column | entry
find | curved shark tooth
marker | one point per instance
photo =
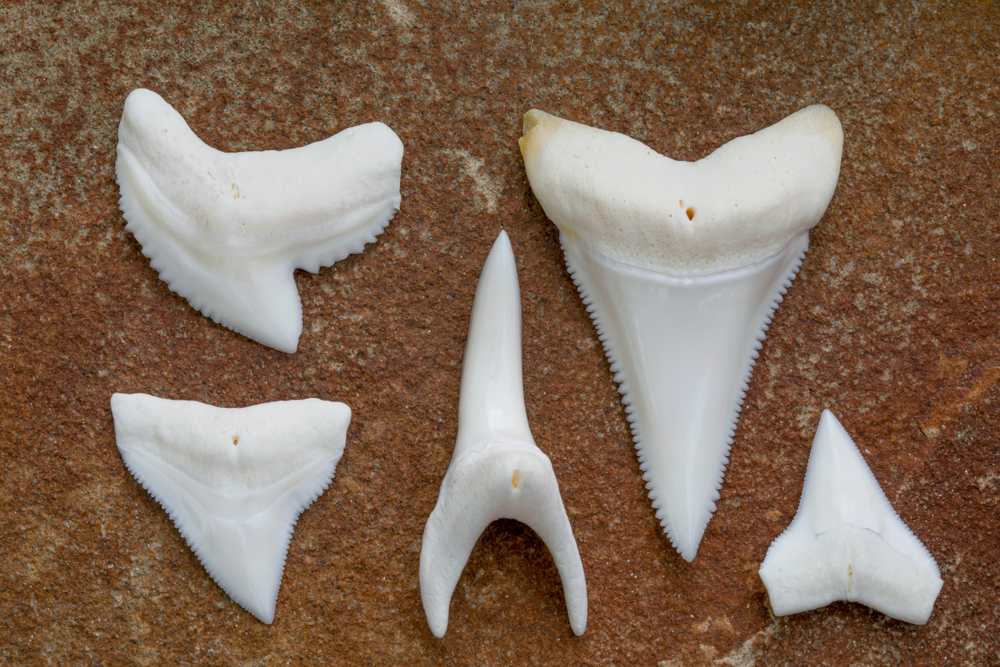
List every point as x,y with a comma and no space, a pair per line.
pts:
846,542
227,230
681,266
233,481
496,471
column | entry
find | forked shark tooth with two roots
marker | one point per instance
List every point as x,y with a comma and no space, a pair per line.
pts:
681,266
496,470
226,231
846,542
233,481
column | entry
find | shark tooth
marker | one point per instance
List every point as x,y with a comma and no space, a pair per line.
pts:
233,481
846,542
227,230
496,470
681,266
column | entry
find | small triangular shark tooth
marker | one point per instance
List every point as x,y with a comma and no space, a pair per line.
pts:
846,542
496,471
227,230
681,266
233,481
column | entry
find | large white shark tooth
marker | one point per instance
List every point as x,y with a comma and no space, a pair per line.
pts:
233,481
227,230
681,266
496,470
846,542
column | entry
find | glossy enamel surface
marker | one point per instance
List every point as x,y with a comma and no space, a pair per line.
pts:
682,350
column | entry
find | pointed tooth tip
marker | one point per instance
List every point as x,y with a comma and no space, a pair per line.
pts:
502,251
266,618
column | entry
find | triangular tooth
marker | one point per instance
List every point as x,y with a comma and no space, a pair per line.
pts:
846,542
686,354
683,265
233,481
496,471
227,230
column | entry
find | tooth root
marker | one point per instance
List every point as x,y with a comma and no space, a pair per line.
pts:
479,489
685,348
846,542
497,471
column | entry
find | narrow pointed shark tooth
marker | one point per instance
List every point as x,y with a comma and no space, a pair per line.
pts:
227,230
681,266
233,481
496,471
846,542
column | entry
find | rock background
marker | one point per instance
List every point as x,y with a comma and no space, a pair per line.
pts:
892,324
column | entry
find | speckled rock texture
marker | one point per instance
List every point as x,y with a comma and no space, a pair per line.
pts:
892,323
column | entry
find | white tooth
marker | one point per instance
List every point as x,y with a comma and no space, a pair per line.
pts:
233,481
227,230
496,471
846,542
682,266
684,349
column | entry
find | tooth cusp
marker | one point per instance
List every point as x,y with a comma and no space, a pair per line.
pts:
634,405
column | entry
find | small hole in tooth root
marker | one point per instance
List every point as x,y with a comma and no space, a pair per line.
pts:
236,440
516,479
690,213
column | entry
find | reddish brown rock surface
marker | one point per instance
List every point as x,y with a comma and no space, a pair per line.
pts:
892,323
